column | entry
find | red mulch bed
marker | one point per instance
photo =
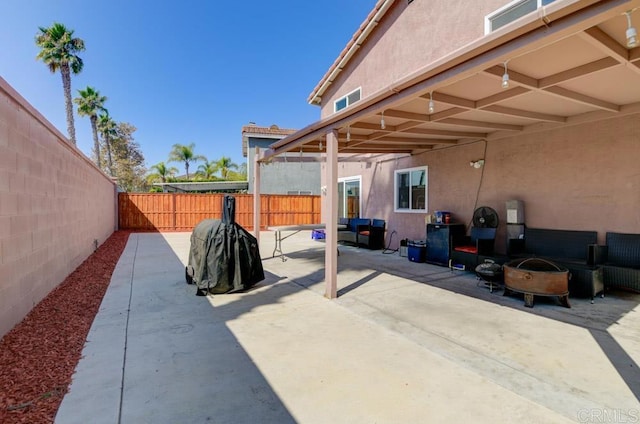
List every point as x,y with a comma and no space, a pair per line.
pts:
38,356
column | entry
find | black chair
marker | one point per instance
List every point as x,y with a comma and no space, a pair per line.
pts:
373,237
465,250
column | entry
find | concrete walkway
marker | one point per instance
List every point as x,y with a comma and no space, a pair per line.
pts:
404,343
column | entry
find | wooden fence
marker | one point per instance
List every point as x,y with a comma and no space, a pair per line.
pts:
182,211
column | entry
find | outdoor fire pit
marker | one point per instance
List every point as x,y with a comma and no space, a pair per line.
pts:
537,277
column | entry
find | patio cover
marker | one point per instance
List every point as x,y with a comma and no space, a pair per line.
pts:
549,88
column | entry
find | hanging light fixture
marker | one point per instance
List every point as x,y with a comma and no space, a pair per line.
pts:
348,133
432,106
632,34
382,124
320,145
505,77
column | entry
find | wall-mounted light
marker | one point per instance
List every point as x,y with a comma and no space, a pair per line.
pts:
632,34
382,124
432,106
505,76
477,164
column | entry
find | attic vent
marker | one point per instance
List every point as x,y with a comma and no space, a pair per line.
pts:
510,12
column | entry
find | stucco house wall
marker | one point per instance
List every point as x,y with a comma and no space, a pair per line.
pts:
582,177
410,36
54,203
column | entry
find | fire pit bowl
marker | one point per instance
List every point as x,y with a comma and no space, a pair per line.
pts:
537,277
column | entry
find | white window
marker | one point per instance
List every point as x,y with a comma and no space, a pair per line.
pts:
410,190
347,100
510,12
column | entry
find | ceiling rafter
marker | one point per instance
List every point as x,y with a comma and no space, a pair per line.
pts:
525,113
444,133
482,124
548,84
603,41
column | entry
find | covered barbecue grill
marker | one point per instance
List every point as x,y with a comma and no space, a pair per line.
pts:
224,257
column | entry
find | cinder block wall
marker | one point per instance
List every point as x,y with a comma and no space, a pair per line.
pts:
53,204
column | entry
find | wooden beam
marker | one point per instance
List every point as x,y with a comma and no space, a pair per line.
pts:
502,95
523,79
406,126
482,124
597,37
584,99
452,100
416,140
578,71
370,150
444,133
525,114
369,126
390,146
447,113
392,113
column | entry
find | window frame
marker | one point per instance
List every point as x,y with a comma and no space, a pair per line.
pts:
346,100
396,207
512,4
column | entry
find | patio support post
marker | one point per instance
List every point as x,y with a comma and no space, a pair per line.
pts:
331,216
256,195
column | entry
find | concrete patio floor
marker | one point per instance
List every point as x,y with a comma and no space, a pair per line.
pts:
404,342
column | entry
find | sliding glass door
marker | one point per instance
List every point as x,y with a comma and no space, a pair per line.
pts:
349,197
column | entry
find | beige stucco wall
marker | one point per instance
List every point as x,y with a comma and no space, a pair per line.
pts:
53,204
409,37
583,177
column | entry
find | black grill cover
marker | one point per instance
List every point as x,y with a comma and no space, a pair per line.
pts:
224,257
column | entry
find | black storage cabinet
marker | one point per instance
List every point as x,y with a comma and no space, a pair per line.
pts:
439,241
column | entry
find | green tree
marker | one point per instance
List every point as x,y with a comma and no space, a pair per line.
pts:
108,129
239,175
185,154
161,172
90,103
59,52
128,159
207,170
224,164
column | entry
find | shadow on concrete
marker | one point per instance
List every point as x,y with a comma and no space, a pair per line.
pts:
181,362
596,318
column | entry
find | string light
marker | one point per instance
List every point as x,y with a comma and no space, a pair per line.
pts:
382,124
348,133
505,77
632,34
432,106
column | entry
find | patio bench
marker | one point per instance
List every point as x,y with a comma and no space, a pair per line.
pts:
621,268
577,251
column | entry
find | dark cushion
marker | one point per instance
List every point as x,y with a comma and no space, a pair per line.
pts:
355,222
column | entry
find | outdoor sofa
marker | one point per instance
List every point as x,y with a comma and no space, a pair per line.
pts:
577,251
364,232
621,268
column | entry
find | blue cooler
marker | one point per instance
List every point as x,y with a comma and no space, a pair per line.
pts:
417,250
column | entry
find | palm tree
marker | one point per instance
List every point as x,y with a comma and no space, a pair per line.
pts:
224,164
182,153
59,52
162,172
207,169
107,128
89,104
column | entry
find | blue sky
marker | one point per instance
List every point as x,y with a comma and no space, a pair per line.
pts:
189,71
